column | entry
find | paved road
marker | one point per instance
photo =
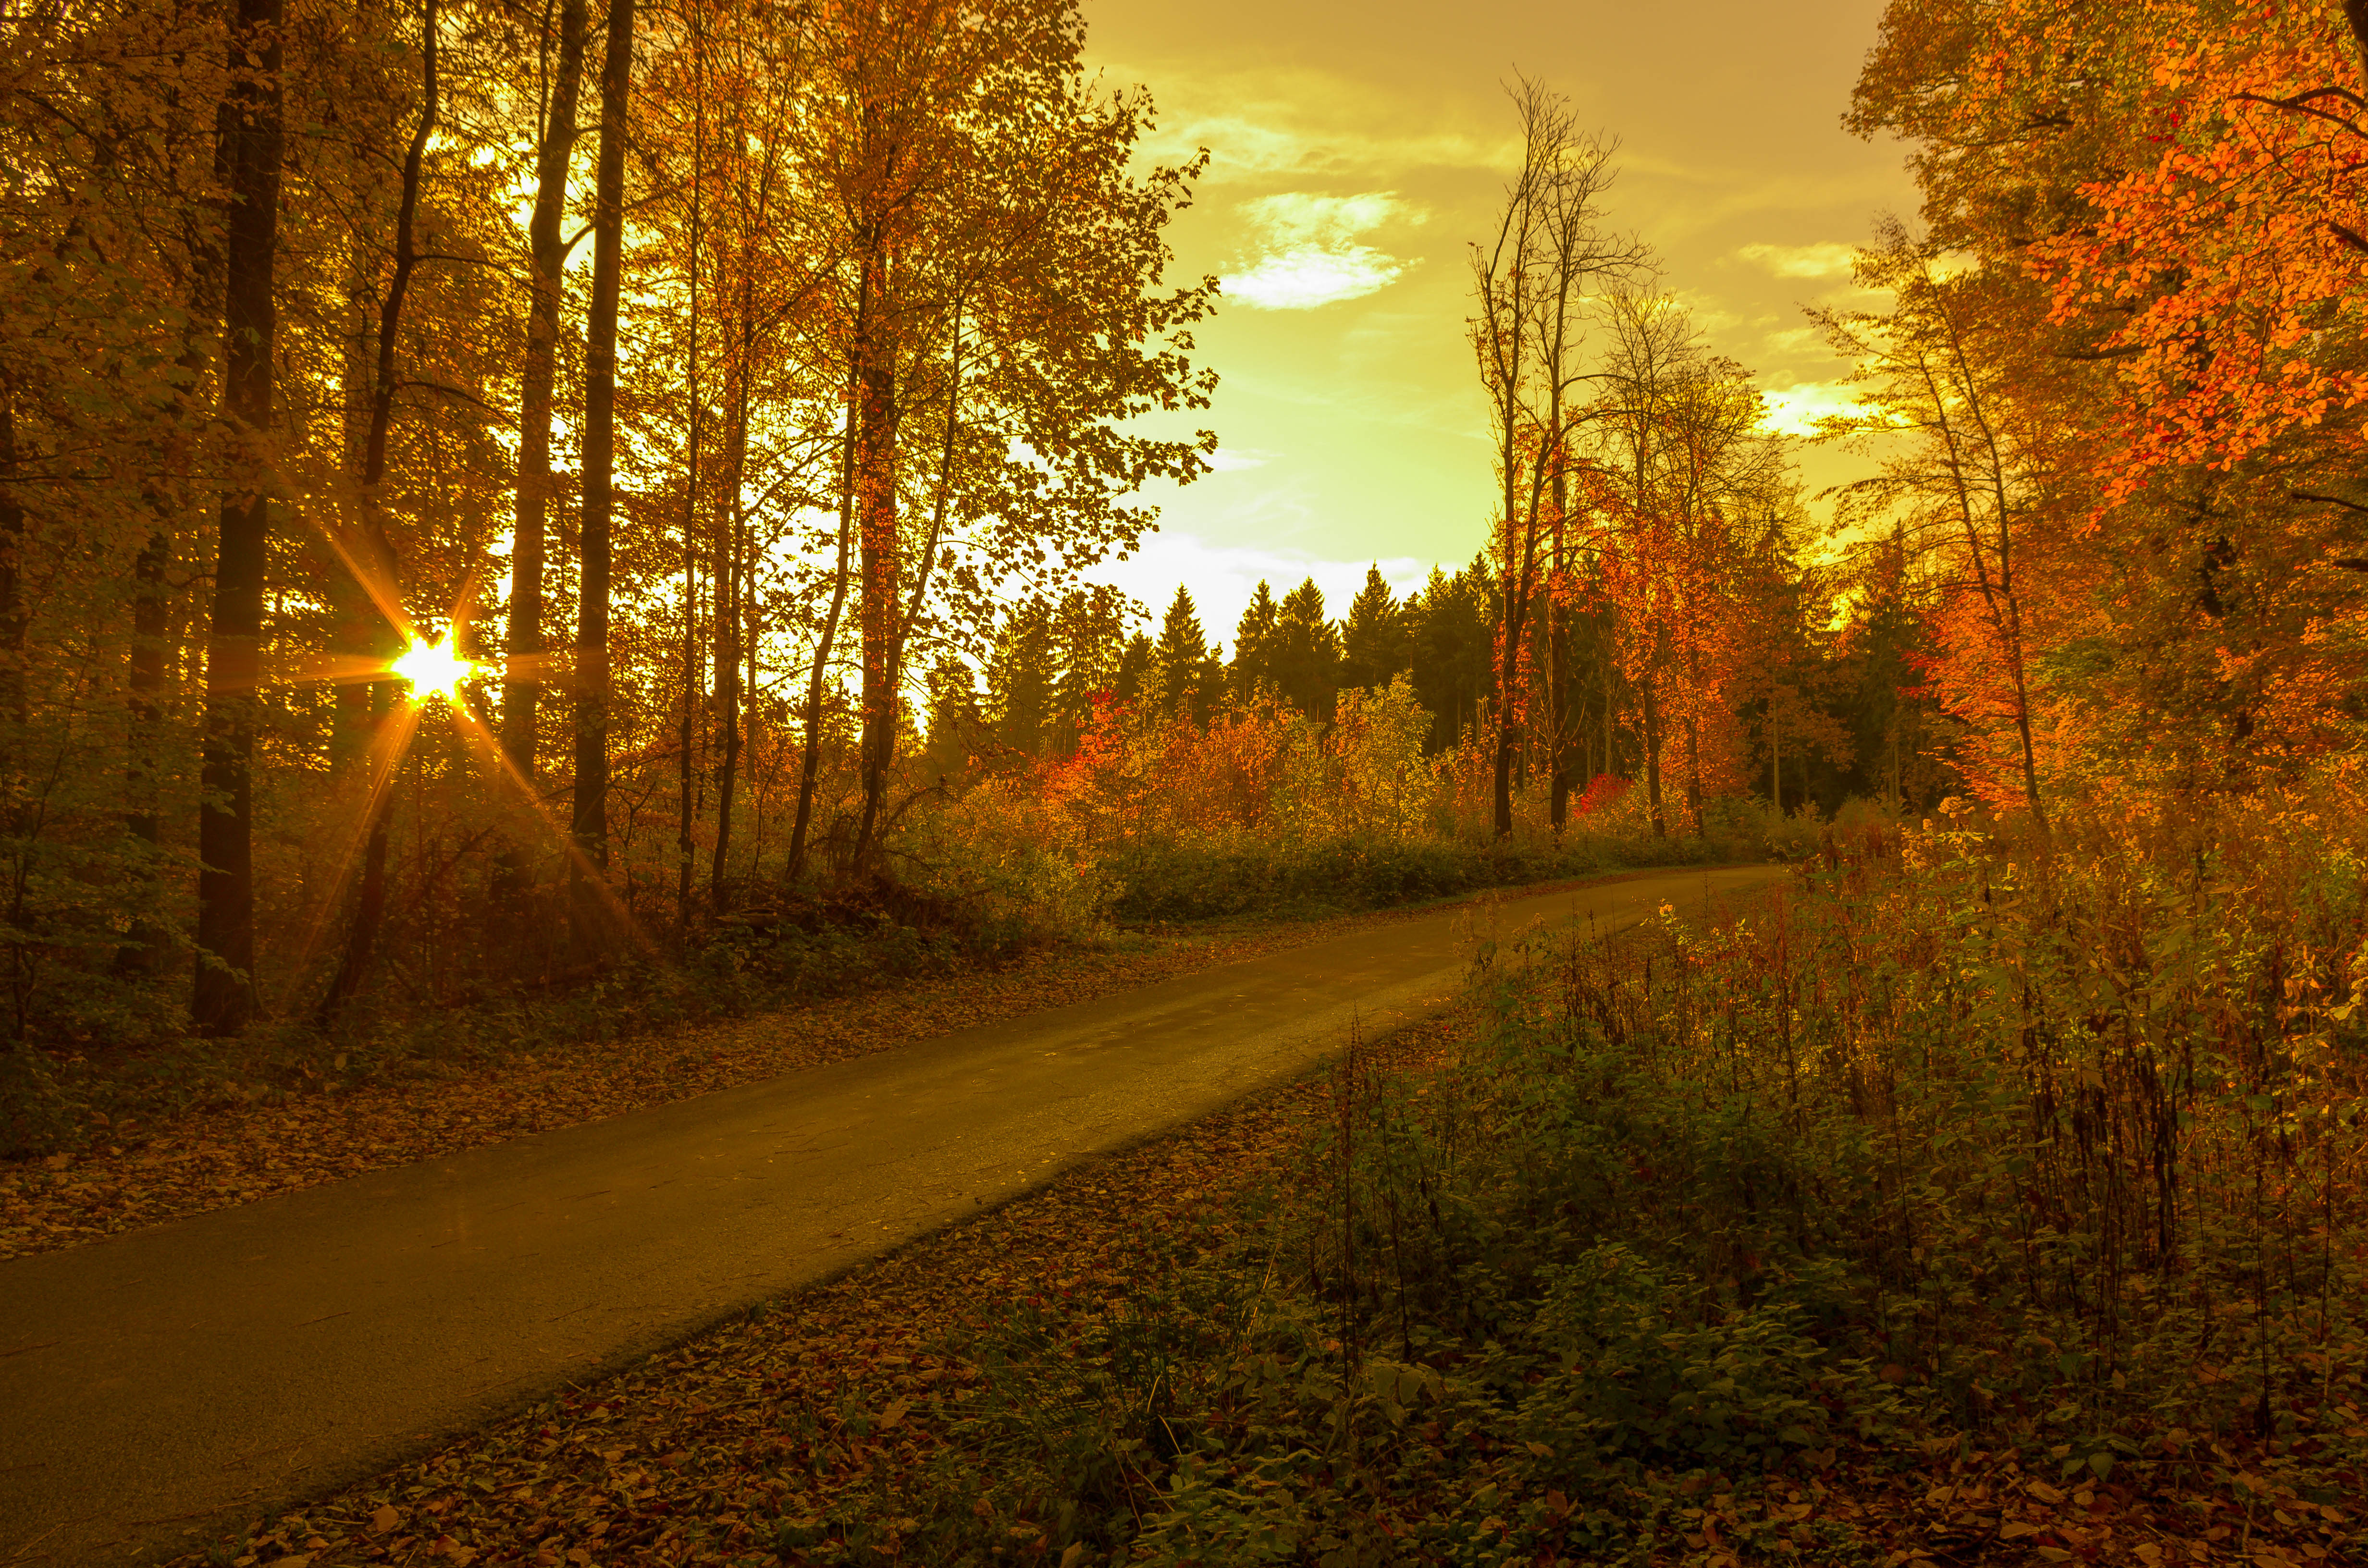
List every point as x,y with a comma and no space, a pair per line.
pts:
155,1386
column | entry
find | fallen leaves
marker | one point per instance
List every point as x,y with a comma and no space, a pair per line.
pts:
768,1437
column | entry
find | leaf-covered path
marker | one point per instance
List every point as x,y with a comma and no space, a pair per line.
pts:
244,1358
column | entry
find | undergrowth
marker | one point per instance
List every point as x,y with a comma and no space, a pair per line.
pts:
1966,1150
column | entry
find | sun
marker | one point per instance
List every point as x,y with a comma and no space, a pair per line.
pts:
434,670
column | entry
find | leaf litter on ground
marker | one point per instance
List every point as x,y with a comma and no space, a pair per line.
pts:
813,1425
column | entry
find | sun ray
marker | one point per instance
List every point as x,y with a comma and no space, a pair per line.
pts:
498,763
373,582
388,747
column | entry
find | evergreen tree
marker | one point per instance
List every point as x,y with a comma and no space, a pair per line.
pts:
1089,638
956,726
1179,661
1253,668
1019,675
1133,676
1307,652
1374,641
1452,627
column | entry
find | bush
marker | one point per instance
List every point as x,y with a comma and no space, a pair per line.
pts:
2054,1146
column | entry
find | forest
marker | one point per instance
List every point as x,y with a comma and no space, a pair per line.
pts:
526,531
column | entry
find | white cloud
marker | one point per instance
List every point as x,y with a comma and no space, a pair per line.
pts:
1311,251
1796,409
1309,276
1826,260
1236,459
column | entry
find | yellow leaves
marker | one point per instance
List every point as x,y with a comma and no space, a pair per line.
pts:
384,1518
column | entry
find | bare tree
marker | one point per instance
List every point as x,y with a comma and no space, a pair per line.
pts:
1531,281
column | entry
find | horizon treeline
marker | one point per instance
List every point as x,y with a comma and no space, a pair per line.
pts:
1861,721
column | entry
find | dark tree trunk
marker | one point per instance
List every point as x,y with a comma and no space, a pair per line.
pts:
731,570
522,672
686,735
810,766
875,492
589,818
222,999
1558,704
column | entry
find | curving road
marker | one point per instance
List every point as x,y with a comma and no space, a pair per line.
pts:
157,1386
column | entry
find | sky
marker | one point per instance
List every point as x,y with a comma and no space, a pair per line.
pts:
1356,151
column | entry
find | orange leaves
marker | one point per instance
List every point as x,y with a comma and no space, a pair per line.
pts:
2235,254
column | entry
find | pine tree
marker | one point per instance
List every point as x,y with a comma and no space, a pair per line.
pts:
1134,677
1176,662
1374,641
1020,676
1253,666
1450,630
1307,652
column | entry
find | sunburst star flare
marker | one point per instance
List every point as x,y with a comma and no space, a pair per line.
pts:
433,669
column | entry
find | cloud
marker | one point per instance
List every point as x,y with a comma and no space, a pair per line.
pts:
1236,459
1796,409
1311,252
1827,260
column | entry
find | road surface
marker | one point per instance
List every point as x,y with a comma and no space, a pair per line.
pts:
157,1387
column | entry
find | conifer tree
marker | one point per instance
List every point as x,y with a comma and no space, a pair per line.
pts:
1307,652
1252,671
1373,642
1179,676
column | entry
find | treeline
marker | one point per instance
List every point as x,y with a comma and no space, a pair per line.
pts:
1855,722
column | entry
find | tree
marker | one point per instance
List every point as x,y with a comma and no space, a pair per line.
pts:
253,137
1305,653
1253,671
1931,376
371,552
1530,282
589,820
546,257
1373,642
1179,662
1020,676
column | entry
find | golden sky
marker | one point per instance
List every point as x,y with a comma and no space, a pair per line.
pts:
1356,151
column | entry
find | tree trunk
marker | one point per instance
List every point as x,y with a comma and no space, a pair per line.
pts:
521,670
1652,694
730,586
13,626
1558,704
222,998
589,818
811,767
916,596
875,490
377,555
686,735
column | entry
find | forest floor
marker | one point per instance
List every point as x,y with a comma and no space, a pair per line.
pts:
816,1430
237,1148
